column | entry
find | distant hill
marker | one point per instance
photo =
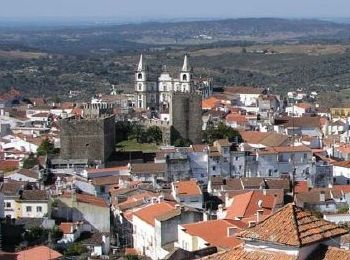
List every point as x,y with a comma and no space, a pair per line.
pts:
87,39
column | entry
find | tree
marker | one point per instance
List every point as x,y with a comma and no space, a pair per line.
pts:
221,131
46,147
75,249
154,135
30,162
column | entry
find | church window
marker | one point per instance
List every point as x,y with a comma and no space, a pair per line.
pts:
184,77
140,86
139,76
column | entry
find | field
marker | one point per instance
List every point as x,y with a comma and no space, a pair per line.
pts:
132,146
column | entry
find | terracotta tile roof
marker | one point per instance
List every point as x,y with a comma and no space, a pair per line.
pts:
220,237
267,139
303,122
86,198
148,168
344,188
233,184
278,184
253,182
29,173
136,200
112,169
67,227
35,253
285,149
108,180
344,164
303,105
240,253
153,211
11,187
293,226
187,188
301,186
246,205
34,195
233,117
210,103
9,165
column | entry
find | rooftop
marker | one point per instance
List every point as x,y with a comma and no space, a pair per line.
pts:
187,188
220,237
151,212
292,226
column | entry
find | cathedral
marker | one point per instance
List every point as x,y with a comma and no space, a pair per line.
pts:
156,94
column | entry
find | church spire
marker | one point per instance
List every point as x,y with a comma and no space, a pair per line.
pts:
185,66
141,65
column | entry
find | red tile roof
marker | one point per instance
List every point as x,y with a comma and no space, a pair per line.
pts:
85,198
293,226
301,186
151,212
187,188
246,205
67,227
220,237
210,103
8,165
35,253
240,253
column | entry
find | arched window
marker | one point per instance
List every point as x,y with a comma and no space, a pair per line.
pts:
140,86
139,76
184,77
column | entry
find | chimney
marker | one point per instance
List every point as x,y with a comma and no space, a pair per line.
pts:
259,213
251,224
322,196
231,231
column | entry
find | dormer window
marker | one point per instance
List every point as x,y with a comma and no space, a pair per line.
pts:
139,76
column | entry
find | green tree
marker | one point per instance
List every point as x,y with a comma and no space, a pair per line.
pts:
221,131
30,162
75,249
154,135
46,147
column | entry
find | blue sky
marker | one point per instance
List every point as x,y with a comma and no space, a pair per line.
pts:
163,9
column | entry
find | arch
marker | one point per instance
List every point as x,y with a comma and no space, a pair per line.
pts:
139,76
184,77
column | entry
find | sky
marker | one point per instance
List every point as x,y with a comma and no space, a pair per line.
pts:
169,9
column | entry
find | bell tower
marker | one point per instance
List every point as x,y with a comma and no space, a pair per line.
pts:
141,84
186,76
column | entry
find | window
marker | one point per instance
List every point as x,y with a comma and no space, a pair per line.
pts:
240,167
236,158
305,156
270,172
184,77
8,204
214,168
29,209
139,76
39,209
140,86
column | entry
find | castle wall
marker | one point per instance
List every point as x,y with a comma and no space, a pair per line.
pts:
91,138
186,116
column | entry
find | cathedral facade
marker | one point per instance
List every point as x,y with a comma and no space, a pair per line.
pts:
156,94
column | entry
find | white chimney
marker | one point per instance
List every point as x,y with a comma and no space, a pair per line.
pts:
322,196
251,224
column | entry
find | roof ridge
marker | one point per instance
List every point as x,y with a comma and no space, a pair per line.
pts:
248,201
295,222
